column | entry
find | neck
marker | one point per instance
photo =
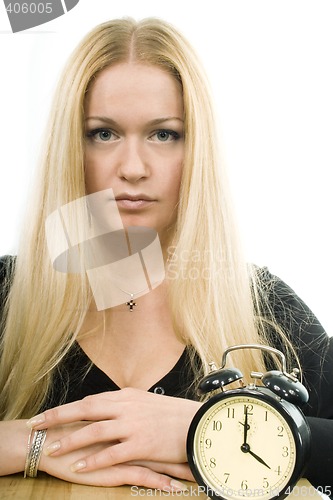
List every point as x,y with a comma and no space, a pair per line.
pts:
124,344
151,308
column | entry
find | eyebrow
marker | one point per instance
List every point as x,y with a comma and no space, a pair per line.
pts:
154,122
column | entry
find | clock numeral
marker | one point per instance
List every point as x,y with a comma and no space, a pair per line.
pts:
248,409
280,431
231,413
278,470
208,443
217,425
285,452
244,485
266,416
212,463
265,483
226,476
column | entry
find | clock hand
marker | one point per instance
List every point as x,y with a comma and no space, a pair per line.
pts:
245,425
259,459
246,449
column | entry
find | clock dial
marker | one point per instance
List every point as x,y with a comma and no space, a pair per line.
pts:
243,447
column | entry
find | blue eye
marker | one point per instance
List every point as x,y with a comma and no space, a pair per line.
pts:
100,134
163,135
104,135
167,135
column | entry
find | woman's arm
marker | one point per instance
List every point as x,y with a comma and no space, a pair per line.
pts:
13,446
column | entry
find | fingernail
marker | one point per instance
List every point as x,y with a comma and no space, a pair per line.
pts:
81,464
37,420
177,485
51,448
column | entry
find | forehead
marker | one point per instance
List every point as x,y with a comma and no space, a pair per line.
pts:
132,85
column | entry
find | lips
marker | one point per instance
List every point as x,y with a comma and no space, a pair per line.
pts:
134,201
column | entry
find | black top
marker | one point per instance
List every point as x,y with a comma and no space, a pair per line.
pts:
77,377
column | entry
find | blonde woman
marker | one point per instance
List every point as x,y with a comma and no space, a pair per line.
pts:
115,386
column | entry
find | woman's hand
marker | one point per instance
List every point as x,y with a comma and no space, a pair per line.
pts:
147,474
139,434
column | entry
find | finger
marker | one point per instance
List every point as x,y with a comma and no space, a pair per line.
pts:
182,471
106,431
94,407
89,408
130,474
112,455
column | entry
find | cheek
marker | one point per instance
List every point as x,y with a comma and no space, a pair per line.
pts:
175,179
95,173
90,178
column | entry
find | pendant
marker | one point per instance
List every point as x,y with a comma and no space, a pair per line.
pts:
131,303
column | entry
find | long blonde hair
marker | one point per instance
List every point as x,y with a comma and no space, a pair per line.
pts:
210,292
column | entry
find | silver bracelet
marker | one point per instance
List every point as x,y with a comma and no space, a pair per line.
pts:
34,452
26,467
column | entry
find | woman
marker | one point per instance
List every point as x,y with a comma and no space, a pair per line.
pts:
132,114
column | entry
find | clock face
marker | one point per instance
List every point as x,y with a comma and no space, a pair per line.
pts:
244,447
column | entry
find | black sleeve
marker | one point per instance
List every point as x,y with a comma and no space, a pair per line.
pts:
7,264
315,351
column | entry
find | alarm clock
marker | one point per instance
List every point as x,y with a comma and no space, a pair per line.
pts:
252,441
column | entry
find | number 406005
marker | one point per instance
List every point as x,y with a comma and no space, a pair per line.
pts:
29,8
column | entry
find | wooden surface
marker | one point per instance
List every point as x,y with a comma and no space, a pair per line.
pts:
45,487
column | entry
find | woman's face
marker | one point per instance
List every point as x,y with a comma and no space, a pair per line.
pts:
135,142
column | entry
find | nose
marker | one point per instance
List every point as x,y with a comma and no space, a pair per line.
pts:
132,162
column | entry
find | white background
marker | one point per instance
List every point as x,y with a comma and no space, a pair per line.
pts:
270,63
